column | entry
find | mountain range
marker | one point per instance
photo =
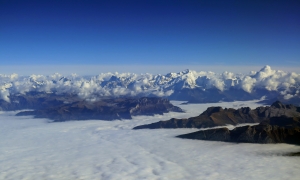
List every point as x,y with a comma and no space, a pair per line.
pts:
217,116
69,107
278,123
188,85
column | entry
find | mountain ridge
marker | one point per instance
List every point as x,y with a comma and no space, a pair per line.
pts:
217,116
187,85
281,129
105,109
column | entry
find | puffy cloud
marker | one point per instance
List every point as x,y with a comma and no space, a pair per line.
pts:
4,95
247,83
288,96
228,75
123,84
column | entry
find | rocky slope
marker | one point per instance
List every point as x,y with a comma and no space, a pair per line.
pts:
278,123
281,129
34,100
217,116
103,109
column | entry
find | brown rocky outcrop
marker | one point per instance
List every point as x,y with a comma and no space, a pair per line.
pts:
278,130
217,116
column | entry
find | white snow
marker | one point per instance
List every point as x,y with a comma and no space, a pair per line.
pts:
118,84
36,149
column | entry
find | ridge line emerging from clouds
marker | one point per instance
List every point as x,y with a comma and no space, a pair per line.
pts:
131,84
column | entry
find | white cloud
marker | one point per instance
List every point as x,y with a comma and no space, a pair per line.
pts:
111,150
119,84
4,95
247,84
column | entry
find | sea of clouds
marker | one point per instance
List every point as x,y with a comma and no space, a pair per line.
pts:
131,84
111,150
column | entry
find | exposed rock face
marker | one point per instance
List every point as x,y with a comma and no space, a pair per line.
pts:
104,109
217,116
279,123
278,130
151,106
220,134
35,101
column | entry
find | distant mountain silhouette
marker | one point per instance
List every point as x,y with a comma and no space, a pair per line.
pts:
68,107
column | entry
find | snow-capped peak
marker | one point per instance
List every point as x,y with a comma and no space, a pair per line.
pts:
120,84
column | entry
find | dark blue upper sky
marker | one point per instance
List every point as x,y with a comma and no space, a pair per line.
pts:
150,32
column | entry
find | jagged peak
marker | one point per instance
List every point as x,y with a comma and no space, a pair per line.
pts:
210,110
186,71
114,84
278,104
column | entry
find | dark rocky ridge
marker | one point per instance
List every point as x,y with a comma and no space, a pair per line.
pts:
105,109
279,123
34,100
70,107
275,130
217,116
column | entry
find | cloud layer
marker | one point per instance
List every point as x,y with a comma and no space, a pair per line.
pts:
34,149
131,84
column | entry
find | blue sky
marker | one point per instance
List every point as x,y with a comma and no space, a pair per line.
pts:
155,33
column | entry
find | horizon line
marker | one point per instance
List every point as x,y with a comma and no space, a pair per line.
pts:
86,70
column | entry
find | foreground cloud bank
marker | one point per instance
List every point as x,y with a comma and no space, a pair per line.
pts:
34,149
186,85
